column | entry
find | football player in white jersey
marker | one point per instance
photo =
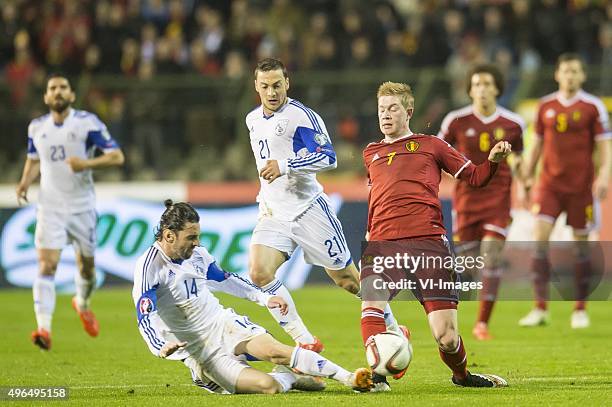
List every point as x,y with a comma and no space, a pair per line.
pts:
291,144
180,319
60,149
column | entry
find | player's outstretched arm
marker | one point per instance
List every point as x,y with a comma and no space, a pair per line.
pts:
113,158
604,149
233,284
480,175
460,167
31,170
531,162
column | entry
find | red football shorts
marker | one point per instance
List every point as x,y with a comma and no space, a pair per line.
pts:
472,227
426,269
548,205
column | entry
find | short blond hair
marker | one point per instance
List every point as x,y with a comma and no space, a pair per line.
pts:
404,91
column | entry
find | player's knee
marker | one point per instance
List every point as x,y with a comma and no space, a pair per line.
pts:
47,267
267,385
448,340
260,274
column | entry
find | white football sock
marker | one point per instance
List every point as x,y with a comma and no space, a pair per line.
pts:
291,323
43,292
285,379
311,363
390,320
84,288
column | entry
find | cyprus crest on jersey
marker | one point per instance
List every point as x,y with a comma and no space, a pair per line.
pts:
321,139
281,127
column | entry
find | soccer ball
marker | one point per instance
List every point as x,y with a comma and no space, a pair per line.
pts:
388,353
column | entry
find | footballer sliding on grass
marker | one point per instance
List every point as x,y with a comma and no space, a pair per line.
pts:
180,319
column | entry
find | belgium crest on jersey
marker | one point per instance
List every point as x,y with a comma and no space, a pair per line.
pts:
499,133
412,146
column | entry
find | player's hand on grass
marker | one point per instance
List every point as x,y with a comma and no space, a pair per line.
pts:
500,151
600,187
278,302
76,164
270,171
170,347
22,194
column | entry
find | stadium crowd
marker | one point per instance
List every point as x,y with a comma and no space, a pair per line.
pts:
143,39
213,38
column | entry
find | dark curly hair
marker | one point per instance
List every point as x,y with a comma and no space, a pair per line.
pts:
492,70
175,217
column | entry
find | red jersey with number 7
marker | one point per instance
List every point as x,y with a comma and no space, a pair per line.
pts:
404,177
568,129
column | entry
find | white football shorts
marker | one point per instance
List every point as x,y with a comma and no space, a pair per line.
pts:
219,368
317,231
54,230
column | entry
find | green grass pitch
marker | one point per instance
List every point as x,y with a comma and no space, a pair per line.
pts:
553,365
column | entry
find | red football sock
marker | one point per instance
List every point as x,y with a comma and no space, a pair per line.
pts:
484,311
541,268
581,282
372,322
488,295
457,360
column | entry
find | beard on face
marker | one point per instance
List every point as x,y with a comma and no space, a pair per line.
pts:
187,253
59,105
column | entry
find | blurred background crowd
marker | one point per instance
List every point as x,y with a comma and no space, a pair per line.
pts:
172,78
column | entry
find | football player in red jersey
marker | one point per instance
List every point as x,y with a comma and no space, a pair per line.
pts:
483,214
404,170
569,124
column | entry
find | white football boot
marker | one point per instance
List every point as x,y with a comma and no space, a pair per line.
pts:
535,317
580,319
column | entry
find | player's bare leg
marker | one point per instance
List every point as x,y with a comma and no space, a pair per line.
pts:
491,250
264,261
541,269
444,328
346,278
252,380
43,292
265,347
85,282
582,277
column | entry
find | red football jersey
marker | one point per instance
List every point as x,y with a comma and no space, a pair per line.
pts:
569,128
404,181
474,135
